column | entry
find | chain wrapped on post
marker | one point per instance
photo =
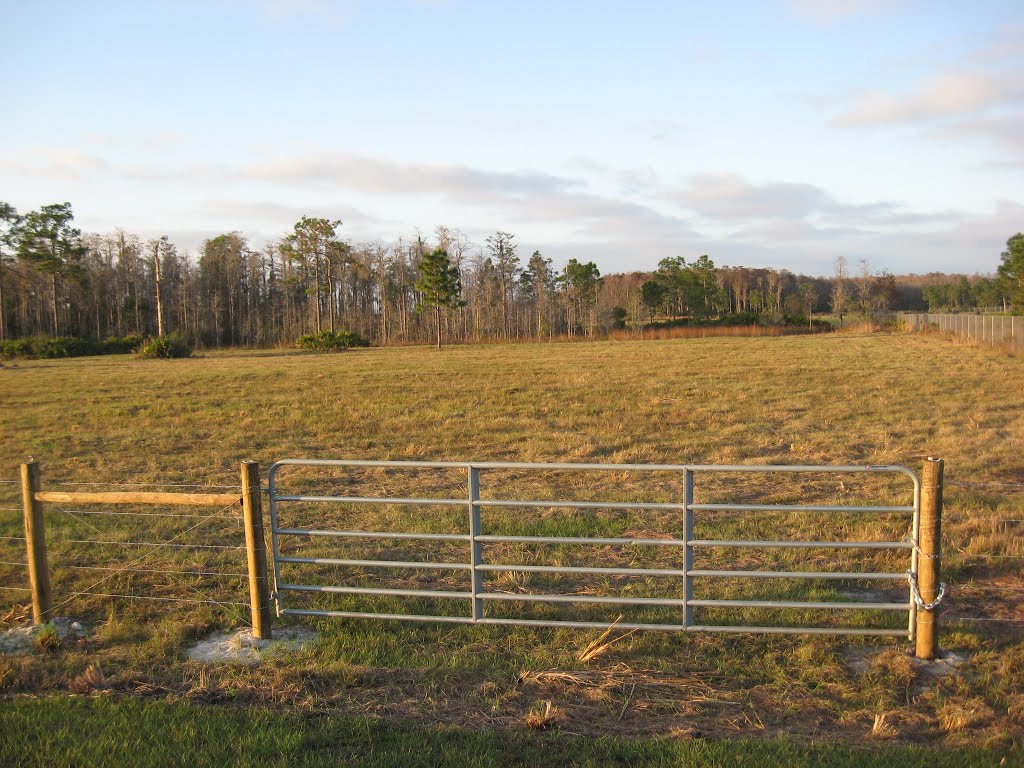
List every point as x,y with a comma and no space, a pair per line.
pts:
918,600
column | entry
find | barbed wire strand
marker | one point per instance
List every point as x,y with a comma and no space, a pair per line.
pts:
150,514
144,485
144,570
986,484
976,618
147,543
152,597
83,522
968,518
8,562
12,538
231,610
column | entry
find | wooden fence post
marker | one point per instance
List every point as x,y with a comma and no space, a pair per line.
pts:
35,544
929,558
256,551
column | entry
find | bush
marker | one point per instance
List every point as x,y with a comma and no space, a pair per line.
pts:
740,318
49,348
120,345
330,341
165,347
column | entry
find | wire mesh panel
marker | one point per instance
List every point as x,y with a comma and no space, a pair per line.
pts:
797,549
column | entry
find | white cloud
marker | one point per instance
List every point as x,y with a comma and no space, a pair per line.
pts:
948,95
729,197
635,219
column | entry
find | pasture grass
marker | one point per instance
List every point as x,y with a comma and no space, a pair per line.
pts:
830,399
56,731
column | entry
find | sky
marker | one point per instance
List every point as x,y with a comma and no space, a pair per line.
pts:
779,133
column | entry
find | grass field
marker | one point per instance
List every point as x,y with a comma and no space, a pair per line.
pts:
833,399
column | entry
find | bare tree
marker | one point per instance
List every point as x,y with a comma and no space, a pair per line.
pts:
839,289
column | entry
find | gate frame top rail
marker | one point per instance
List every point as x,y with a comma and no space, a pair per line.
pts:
476,538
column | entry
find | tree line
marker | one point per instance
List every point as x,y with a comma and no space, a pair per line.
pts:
57,281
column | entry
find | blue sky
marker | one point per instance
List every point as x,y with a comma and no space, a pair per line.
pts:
779,133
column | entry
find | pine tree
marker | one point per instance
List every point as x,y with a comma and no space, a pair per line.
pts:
439,285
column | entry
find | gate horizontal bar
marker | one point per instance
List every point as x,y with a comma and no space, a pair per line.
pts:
801,630
535,598
582,540
363,615
579,569
792,508
375,563
823,544
598,624
581,504
799,605
801,574
371,534
372,500
852,469
580,624
371,591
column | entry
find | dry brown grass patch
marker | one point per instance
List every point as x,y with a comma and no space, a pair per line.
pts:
544,715
956,715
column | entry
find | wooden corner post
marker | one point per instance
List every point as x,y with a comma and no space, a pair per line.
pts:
929,559
35,544
256,550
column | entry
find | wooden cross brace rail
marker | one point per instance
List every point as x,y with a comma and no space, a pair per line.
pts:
138,497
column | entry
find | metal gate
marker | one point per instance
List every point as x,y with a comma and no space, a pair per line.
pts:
475,567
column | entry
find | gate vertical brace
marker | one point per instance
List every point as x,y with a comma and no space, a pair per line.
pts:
275,547
915,536
687,549
475,547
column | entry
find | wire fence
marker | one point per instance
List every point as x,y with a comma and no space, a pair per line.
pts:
994,330
134,554
169,557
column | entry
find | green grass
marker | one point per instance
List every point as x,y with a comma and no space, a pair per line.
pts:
833,399
53,731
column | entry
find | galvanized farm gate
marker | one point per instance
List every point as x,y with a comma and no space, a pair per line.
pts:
475,565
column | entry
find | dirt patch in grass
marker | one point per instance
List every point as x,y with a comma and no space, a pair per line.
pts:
243,647
40,637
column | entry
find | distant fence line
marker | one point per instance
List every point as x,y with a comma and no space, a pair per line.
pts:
995,330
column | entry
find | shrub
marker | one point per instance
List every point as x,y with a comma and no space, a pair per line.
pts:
120,345
740,318
329,341
49,348
165,347
46,639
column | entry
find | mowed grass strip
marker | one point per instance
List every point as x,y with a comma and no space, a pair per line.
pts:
836,399
112,732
